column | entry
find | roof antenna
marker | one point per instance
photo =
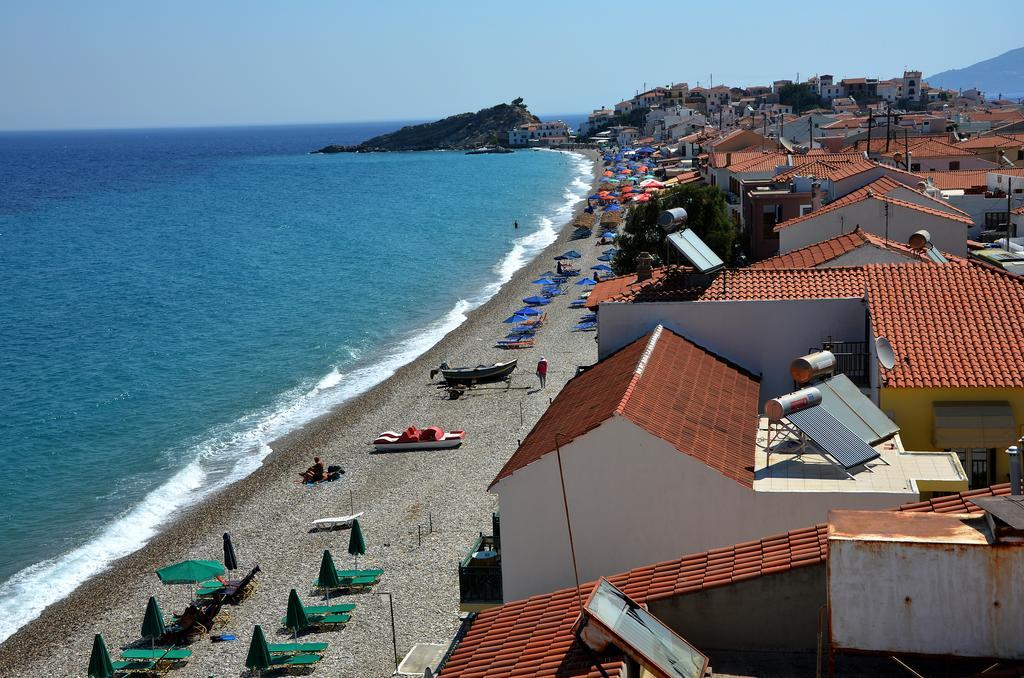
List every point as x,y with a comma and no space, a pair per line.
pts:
568,523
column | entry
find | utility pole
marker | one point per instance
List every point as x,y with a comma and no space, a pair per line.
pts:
906,149
810,131
1009,209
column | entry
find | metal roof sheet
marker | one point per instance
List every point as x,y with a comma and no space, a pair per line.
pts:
696,251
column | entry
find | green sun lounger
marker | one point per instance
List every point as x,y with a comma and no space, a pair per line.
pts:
134,667
329,609
295,660
351,582
321,619
172,655
360,573
296,648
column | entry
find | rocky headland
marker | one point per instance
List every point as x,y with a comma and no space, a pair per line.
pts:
486,127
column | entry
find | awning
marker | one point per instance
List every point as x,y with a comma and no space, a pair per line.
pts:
974,424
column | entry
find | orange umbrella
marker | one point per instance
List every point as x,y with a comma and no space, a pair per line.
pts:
608,173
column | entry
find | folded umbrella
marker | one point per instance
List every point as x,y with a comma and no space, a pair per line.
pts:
153,622
258,658
100,665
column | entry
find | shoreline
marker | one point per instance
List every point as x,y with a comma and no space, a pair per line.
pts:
46,638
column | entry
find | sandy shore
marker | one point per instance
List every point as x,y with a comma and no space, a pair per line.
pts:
268,515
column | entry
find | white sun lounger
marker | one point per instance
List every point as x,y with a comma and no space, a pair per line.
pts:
328,523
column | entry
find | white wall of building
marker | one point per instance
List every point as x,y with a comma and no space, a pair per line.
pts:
760,336
947,235
635,500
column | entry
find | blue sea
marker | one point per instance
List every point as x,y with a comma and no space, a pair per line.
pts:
171,301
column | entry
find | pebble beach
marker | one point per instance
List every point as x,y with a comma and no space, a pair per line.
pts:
421,510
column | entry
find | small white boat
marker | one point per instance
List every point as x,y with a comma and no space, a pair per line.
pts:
429,438
339,521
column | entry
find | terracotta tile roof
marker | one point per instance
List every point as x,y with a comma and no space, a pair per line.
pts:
533,637
993,141
994,116
767,162
968,179
757,284
822,252
629,288
699,403
831,170
720,159
957,325
878,190
959,502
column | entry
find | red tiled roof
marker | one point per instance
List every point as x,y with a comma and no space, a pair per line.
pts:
670,387
968,179
533,637
877,190
719,159
750,284
630,288
822,252
993,141
957,325
831,170
959,502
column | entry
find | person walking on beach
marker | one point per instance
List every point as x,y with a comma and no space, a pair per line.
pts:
542,371
516,223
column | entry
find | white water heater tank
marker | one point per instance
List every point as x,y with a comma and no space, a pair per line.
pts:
777,408
812,366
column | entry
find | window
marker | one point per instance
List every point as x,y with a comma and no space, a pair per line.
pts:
1020,154
804,209
978,463
995,220
915,167
954,164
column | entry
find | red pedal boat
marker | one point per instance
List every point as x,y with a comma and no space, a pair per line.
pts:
412,438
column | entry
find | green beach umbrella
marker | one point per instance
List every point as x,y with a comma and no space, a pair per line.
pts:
329,574
296,618
153,623
190,571
356,543
99,660
258,658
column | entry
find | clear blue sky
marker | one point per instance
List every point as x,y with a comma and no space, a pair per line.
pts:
98,63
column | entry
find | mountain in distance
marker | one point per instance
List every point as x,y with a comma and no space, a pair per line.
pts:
489,126
1002,74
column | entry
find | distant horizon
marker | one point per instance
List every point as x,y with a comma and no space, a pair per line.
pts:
148,128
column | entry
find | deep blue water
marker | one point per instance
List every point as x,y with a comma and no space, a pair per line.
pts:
173,300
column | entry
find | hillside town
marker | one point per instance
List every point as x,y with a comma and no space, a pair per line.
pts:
795,455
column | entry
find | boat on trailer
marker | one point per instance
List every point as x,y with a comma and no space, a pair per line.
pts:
480,373
412,438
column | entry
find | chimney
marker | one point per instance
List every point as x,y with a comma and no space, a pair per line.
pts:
815,196
643,266
1015,470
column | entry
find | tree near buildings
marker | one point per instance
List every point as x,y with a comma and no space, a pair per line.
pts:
707,215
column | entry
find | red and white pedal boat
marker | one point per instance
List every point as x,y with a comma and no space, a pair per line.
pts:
412,438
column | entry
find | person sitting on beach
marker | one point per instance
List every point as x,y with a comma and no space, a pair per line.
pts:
314,473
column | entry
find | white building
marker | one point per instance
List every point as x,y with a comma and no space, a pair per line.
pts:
662,452
539,134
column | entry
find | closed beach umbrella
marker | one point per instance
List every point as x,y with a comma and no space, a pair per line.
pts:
328,573
99,660
258,658
230,560
153,623
296,618
356,543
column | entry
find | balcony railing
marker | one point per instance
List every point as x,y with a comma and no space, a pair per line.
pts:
480,580
851,359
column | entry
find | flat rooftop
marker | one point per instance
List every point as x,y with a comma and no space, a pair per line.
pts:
896,470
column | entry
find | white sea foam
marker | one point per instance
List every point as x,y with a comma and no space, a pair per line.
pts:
233,451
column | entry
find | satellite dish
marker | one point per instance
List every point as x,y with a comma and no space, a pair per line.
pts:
886,356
